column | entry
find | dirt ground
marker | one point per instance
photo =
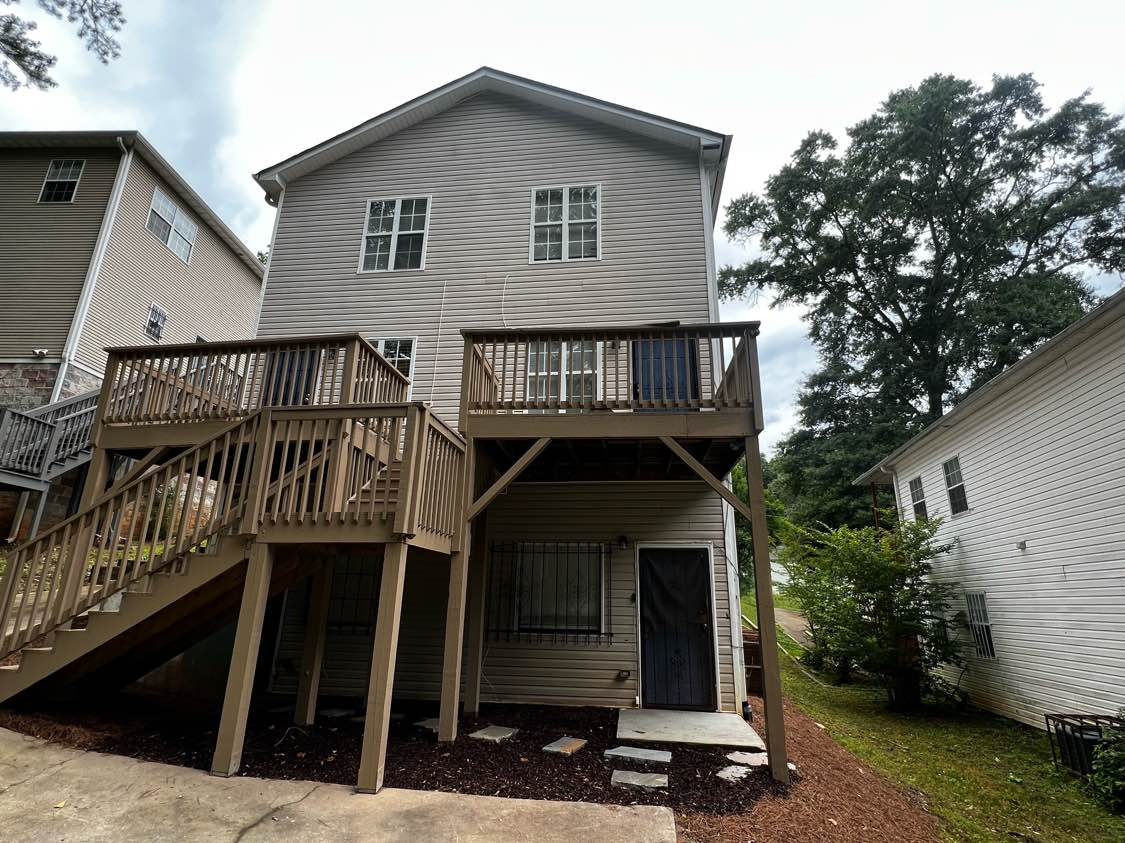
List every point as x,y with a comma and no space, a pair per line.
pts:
832,797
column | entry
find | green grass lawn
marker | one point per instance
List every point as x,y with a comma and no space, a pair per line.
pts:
988,778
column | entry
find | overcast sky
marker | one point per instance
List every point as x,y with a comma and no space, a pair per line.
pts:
224,89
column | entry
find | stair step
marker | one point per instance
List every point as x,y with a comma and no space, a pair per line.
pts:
28,650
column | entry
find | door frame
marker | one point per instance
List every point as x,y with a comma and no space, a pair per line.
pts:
669,545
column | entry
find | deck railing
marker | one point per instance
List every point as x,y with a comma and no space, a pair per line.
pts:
228,380
25,442
678,367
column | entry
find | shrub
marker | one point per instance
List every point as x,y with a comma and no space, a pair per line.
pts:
872,605
1107,776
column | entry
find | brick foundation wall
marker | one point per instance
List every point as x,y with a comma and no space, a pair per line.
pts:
25,386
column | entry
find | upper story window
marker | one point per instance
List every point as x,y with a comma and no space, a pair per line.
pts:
565,223
171,225
62,179
958,502
156,318
918,498
394,234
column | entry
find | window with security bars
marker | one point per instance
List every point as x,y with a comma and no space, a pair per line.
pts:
354,603
565,223
154,327
547,591
955,485
171,226
394,234
562,371
918,499
979,624
62,179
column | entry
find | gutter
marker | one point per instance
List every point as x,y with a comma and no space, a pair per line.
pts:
94,269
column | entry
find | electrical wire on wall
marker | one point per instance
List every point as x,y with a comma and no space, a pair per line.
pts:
437,345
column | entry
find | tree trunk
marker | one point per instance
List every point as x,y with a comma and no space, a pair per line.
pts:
906,691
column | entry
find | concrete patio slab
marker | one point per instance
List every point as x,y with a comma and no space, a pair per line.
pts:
49,792
709,728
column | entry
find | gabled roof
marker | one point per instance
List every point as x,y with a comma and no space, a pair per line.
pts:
1108,313
713,145
133,139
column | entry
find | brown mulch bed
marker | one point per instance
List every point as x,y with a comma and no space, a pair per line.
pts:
833,797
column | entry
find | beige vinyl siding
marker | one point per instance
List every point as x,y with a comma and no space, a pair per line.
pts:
549,673
215,295
1045,464
45,249
480,161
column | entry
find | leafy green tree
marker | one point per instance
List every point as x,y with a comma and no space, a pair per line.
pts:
97,20
775,521
942,244
872,604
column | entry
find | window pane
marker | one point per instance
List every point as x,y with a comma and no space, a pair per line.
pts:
163,206
180,246
377,254
158,225
952,470
548,205
583,203
920,511
185,227
958,502
583,241
413,215
548,243
399,353
408,254
382,217
58,191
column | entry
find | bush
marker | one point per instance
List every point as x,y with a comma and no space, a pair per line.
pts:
1107,776
872,605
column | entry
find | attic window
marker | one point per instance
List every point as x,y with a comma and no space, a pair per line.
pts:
394,234
62,180
171,225
565,223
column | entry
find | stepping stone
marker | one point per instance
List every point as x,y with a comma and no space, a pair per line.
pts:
749,759
733,773
565,745
430,723
494,734
638,781
635,753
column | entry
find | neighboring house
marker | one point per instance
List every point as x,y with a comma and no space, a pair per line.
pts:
478,447
1028,477
103,244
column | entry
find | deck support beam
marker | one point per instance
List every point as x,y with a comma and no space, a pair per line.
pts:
17,519
707,477
508,477
316,631
97,478
763,598
244,660
474,628
376,725
40,506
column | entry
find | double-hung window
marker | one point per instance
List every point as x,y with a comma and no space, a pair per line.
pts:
394,234
171,225
562,372
979,624
955,485
565,223
918,499
400,353
61,183
157,316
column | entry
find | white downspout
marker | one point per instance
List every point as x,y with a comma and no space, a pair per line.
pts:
92,271
269,259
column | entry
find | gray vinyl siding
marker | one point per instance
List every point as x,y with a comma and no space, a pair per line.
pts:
479,161
45,249
215,295
548,673
1045,464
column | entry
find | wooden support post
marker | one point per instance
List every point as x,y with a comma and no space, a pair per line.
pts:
97,475
474,633
244,659
767,631
373,756
17,519
455,605
40,505
316,631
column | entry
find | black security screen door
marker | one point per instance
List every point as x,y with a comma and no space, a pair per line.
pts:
665,370
677,655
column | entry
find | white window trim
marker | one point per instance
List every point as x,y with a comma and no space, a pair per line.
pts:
172,222
565,188
564,371
148,317
394,234
379,341
77,182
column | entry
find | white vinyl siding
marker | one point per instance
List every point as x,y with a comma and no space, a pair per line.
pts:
394,234
1048,469
61,182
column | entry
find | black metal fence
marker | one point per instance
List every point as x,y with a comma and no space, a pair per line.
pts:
1074,736
548,592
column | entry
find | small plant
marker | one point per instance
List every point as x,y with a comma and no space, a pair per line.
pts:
1107,769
